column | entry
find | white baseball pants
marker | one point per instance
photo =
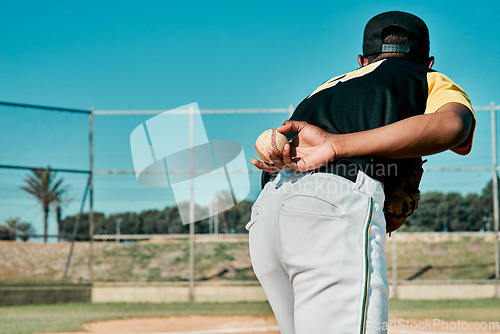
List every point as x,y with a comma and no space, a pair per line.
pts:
317,245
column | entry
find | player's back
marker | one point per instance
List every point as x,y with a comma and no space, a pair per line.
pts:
370,97
378,94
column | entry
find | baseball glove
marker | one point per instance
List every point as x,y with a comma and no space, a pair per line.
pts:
402,198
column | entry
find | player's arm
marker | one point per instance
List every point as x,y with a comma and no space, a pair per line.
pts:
412,137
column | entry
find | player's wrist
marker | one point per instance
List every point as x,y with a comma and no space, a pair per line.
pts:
337,146
355,144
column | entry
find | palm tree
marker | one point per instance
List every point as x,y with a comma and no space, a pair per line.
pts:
12,225
5,233
43,185
58,203
58,218
26,231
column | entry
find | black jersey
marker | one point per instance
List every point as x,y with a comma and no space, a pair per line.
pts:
375,95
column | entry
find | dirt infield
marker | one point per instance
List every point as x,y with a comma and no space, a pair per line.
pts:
194,324
257,325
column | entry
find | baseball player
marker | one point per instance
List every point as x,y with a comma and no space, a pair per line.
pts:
317,230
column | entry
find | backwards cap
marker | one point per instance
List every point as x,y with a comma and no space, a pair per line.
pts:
418,34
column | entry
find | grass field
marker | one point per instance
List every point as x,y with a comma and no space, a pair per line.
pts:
466,310
68,317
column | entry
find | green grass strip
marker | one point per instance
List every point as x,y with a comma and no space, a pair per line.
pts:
464,310
69,317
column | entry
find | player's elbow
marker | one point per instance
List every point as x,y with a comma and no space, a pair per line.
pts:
459,124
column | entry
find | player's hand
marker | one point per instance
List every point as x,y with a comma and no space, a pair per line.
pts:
265,166
310,149
277,162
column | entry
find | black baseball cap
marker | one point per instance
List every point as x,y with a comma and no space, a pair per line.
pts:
418,34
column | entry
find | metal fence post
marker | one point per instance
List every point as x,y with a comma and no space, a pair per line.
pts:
495,191
191,208
75,230
91,193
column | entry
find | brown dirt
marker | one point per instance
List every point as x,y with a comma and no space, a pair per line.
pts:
249,325
185,324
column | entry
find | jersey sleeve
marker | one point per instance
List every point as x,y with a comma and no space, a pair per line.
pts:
443,90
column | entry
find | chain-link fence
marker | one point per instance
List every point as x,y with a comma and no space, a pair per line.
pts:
102,208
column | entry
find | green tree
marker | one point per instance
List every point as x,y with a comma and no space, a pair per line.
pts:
26,231
176,224
166,221
454,212
222,200
12,225
43,185
14,228
238,216
5,234
424,219
60,201
486,199
82,232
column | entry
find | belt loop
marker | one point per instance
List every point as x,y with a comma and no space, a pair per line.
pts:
370,187
360,179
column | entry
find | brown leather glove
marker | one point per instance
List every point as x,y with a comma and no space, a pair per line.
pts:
402,198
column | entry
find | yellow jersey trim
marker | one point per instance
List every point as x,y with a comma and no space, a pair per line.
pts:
442,90
344,77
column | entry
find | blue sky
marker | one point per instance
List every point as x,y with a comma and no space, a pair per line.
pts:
137,55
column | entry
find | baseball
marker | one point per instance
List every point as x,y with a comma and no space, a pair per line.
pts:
270,139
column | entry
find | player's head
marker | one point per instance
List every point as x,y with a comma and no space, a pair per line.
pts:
396,34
